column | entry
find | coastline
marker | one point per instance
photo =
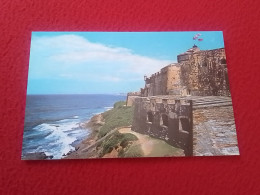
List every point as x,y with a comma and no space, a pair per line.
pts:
119,141
111,136
93,125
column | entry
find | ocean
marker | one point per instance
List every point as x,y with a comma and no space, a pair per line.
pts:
52,122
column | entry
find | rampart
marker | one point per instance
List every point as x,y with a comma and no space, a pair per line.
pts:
165,118
131,97
198,72
201,126
188,104
164,82
204,73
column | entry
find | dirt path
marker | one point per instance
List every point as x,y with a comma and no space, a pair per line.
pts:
153,147
145,141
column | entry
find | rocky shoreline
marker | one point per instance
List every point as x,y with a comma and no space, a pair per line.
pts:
142,146
111,136
36,156
93,125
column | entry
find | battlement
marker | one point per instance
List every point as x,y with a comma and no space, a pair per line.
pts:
164,82
198,72
163,70
135,93
178,103
165,117
181,121
131,97
186,55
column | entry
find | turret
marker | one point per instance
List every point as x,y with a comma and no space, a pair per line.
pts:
185,56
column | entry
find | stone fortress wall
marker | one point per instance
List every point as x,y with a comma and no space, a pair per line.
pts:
165,82
204,72
183,102
131,97
165,117
196,73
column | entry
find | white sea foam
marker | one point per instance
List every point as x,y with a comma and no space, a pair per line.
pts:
97,113
108,108
44,127
64,141
63,134
56,138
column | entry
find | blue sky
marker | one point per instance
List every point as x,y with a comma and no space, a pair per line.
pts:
105,62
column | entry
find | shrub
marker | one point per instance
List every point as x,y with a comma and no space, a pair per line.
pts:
119,104
132,151
119,116
112,141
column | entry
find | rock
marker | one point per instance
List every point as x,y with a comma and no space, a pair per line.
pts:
36,156
68,153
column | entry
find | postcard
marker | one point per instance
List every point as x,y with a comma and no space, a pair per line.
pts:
128,95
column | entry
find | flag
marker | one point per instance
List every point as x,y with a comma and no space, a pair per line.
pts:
196,36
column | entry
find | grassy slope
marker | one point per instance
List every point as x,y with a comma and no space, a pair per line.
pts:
120,142
162,149
119,116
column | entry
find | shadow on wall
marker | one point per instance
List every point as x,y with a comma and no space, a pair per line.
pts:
167,119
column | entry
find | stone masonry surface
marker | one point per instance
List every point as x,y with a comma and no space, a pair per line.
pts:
188,104
214,131
198,72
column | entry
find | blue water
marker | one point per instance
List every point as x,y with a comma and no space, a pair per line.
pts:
53,122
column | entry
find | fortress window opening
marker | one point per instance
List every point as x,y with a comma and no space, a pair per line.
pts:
150,117
184,124
164,120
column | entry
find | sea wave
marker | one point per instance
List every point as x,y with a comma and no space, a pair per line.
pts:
58,137
52,122
108,108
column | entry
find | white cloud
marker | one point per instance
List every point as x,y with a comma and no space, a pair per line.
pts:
86,76
113,63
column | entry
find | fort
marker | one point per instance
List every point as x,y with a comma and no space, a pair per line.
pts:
188,104
196,73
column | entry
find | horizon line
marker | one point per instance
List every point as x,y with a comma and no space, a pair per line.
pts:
79,93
